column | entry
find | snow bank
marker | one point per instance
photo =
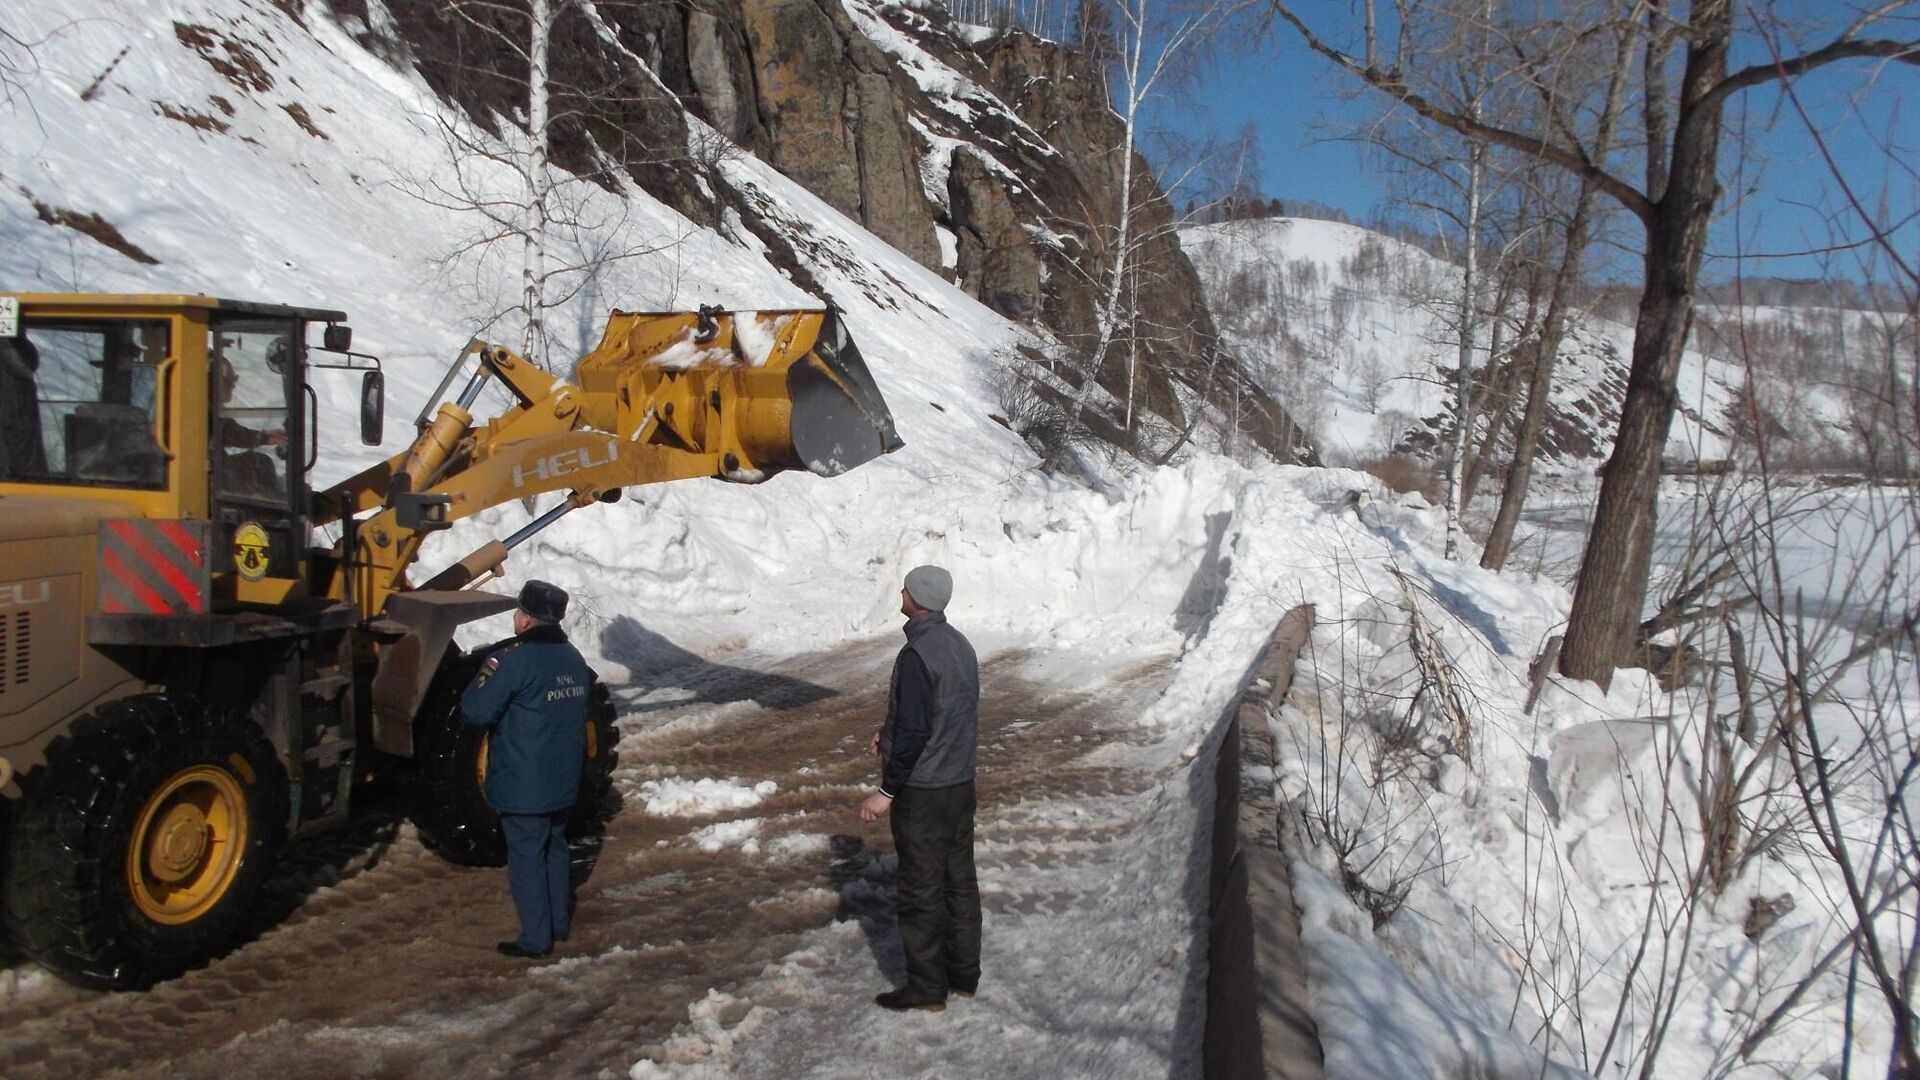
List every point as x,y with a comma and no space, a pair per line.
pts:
1377,1019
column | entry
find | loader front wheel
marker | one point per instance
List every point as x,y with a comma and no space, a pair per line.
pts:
446,798
141,842
596,772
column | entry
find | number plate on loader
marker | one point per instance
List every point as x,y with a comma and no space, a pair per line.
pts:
9,316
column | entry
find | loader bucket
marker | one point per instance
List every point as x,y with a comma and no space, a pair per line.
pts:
839,419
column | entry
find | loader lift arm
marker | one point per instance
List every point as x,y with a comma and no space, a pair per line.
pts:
738,396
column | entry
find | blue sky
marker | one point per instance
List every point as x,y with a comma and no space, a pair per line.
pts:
1298,103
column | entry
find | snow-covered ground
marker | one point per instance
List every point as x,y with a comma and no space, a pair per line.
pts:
1551,877
1524,839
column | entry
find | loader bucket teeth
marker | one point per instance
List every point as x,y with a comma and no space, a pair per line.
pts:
839,418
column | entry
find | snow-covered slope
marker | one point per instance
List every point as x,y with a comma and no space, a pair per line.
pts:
261,206
1358,331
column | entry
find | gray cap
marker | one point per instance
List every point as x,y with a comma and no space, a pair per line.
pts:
543,601
930,587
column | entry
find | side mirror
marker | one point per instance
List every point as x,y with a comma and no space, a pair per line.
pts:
373,405
336,338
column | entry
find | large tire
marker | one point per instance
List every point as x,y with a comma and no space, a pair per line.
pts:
445,799
596,772
141,843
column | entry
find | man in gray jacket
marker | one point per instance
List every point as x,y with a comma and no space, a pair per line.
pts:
927,748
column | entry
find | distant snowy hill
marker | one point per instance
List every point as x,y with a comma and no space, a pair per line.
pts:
1356,331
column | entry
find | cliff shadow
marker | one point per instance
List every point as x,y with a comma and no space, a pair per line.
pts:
655,663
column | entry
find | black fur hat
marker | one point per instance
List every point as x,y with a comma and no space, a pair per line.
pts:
543,601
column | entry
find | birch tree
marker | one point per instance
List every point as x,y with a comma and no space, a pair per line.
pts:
563,228
1143,58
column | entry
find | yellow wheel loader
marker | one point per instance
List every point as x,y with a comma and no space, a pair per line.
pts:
188,679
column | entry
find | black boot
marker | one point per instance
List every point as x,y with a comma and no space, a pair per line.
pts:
904,999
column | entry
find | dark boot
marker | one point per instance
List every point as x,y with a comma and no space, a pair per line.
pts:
903,999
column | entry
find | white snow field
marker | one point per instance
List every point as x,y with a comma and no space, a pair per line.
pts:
1531,866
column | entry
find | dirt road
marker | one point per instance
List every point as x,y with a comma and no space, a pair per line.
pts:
376,958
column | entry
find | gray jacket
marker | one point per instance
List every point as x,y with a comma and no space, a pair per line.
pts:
931,736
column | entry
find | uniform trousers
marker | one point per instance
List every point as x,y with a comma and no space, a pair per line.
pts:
539,873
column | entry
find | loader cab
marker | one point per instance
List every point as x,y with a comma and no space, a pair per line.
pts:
256,443
186,409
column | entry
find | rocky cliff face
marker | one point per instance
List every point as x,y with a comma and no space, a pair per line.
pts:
990,157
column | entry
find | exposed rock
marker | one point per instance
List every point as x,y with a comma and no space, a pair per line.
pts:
1031,193
998,264
892,202
800,62
717,69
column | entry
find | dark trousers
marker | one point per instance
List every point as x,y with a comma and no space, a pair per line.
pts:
939,895
538,869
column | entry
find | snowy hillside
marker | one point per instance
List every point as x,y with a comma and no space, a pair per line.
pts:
1357,331
261,207
234,148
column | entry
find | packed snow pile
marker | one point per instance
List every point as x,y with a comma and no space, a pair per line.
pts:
1641,878
674,798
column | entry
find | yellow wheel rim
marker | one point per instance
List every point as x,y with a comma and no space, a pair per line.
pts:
187,845
480,761
593,741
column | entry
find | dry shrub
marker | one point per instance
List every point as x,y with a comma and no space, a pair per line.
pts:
1044,422
1404,473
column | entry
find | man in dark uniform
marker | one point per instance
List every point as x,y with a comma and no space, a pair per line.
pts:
927,747
532,691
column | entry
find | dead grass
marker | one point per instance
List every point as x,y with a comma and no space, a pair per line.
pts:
235,60
299,114
197,120
1404,473
95,226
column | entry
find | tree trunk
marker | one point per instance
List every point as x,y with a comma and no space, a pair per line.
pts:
1463,387
1533,419
1107,317
533,270
1602,627
1499,376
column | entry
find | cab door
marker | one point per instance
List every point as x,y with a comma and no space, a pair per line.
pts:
255,449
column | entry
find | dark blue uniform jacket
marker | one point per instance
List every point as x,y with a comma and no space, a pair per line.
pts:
532,690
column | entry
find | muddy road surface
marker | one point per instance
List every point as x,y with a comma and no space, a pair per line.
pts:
374,958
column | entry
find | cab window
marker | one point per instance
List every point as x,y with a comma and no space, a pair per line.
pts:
78,402
250,411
